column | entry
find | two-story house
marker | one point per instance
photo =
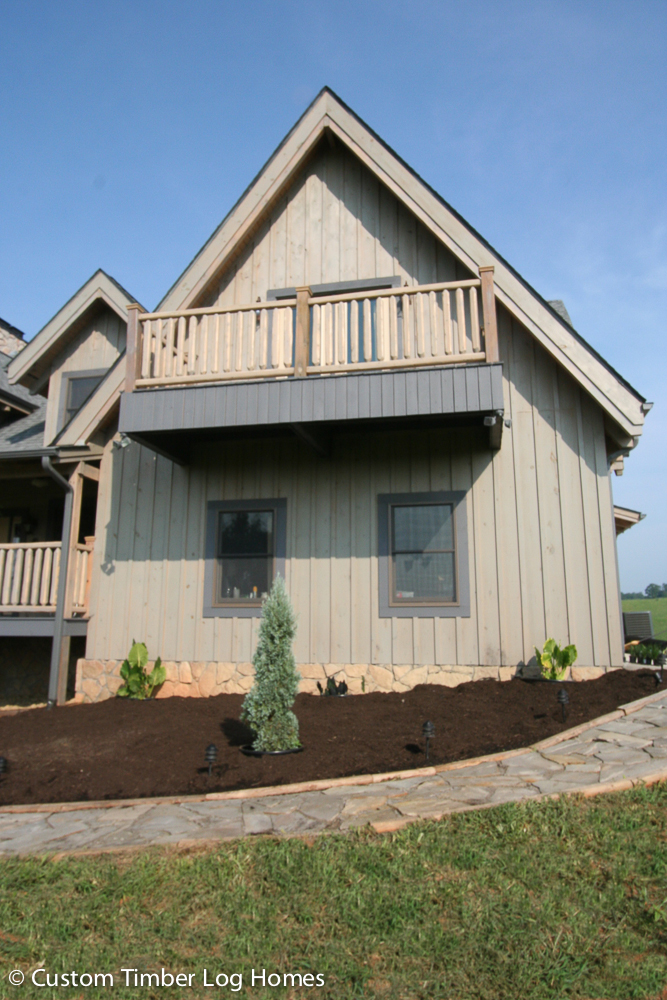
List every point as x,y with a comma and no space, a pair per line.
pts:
348,387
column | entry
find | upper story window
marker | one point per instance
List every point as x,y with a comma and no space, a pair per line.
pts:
76,388
245,551
423,555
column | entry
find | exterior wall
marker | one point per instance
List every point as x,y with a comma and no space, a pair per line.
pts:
541,544
336,223
97,346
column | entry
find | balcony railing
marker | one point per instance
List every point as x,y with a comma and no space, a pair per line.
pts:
438,324
29,573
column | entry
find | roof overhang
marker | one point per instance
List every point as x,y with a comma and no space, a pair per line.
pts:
625,518
32,365
328,114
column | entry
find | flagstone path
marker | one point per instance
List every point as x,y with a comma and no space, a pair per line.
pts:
611,753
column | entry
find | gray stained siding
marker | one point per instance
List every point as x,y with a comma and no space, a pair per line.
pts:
337,222
471,389
541,535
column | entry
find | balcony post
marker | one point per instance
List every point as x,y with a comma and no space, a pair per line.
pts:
302,334
489,314
134,346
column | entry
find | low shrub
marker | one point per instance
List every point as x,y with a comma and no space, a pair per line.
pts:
139,684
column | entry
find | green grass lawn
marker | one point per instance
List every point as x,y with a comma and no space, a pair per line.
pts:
556,899
658,609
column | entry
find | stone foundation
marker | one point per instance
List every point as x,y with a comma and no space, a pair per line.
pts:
100,679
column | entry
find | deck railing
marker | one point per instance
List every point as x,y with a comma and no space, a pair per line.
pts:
450,322
29,574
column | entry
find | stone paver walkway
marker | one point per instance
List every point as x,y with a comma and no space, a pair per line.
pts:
611,753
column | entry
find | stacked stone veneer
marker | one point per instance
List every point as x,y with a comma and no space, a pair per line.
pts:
100,679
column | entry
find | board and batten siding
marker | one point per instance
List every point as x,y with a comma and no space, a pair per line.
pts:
540,526
97,346
337,222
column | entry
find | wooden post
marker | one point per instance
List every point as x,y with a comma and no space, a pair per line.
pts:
302,336
90,540
76,481
134,346
489,313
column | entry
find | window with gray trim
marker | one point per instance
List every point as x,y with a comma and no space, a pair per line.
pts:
76,388
423,555
245,551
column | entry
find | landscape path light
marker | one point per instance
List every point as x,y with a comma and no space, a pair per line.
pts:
563,700
428,731
211,756
3,766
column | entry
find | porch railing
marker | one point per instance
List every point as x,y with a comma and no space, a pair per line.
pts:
449,322
29,574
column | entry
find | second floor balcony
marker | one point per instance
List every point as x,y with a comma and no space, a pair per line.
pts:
426,351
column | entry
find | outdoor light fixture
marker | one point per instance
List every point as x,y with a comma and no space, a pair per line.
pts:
3,765
563,700
211,756
428,731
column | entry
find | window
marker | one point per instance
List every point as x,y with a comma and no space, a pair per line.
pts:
76,388
245,550
423,555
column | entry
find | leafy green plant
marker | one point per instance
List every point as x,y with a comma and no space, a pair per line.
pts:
645,653
267,706
139,684
554,660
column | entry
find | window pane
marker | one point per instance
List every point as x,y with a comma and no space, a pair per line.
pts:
79,391
244,579
425,578
245,532
423,528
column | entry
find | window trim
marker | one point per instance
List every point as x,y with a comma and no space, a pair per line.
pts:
65,379
213,508
461,609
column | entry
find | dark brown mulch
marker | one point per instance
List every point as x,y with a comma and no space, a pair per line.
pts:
120,749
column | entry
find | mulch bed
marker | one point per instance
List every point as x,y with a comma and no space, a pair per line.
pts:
120,749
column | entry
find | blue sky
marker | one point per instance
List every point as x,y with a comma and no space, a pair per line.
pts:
128,129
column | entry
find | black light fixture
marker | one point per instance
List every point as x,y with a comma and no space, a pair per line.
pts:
3,765
428,732
661,663
563,700
211,756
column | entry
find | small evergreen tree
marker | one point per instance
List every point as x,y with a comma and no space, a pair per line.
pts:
267,706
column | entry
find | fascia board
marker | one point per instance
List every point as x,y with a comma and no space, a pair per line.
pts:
79,431
99,288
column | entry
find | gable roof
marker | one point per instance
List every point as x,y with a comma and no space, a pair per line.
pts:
618,399
96,410
32,364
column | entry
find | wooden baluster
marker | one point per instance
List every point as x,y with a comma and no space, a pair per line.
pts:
45,582
278,340
407,326
354,330
327,335
180,345
317,335
474,320
341,326
461,321
489,313
288,347
90,542
133,351
227,363
203,367
55,573
7,582
215,367
18,573
251,343
36,577
447,321
420,323
168,365
263,339
27,576
3,559
381,327
193,345
435,325
392,302
368,331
